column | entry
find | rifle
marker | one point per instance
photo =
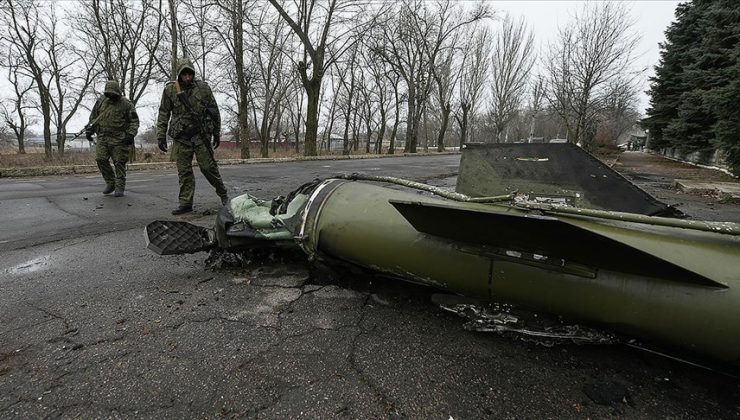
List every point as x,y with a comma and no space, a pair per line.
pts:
90,125
199,117
84,130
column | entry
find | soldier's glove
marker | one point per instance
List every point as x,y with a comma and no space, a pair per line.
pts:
216,140
89,136
129,139
162,144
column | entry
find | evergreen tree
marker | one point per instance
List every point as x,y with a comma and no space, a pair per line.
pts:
695,94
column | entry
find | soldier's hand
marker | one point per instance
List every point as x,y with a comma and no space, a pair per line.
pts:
216,140
89,136
162,144
129,139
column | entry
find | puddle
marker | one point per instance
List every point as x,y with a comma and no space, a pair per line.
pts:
30,266
527,326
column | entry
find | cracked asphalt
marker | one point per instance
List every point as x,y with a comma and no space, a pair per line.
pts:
93,325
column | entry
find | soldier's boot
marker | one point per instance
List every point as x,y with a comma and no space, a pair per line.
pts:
109,189
182,209
118,193
224,199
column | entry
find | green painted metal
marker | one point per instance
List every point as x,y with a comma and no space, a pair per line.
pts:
552,171
686,294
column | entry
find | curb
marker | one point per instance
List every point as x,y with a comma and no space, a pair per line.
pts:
723,189
88,169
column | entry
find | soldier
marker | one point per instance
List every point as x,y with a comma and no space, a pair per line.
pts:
189,114
115,121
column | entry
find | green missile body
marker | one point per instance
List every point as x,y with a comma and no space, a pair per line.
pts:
523,228
676,285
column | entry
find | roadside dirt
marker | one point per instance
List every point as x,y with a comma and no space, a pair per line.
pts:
656,175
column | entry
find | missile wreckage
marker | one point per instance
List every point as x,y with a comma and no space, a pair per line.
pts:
545,227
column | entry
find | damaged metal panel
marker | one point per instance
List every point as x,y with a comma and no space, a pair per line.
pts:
560,173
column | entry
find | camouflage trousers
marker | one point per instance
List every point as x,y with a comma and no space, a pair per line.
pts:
183,152
108,149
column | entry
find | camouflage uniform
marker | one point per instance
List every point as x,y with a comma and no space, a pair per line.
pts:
189,114
115,121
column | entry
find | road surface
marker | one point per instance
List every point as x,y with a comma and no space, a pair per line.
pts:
93,325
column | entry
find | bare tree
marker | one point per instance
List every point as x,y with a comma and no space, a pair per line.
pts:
72,71
592,50
323,28
174,37
368,105
348,73
16,116
331,115
513,57
535,105
395,78
446,78
198,34
272,76
474,71
233,39
126,35
619,109
411,43
295,100
380,77
23,22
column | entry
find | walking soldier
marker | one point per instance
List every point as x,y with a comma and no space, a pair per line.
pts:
114,120
189,114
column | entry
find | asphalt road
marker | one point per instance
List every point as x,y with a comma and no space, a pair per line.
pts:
93,325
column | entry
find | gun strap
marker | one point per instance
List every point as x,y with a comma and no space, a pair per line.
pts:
100,115
91,123
186,103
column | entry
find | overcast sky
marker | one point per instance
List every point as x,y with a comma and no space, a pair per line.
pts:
652,17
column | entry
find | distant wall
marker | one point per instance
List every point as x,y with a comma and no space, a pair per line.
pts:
711,158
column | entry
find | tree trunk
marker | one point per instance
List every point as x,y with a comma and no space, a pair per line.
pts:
46,113
464,125
381,134
61,139
394,130
345,138
446,109
237,24
313,90
264,140
278,127
369,134
411,127
355,131
426,130
173,37
243,132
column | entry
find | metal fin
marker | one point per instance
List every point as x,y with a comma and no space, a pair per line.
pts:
560,170
548,236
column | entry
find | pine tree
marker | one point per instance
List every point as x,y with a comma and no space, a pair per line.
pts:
695,94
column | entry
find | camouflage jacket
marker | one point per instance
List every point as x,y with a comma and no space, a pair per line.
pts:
114,119
186,111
